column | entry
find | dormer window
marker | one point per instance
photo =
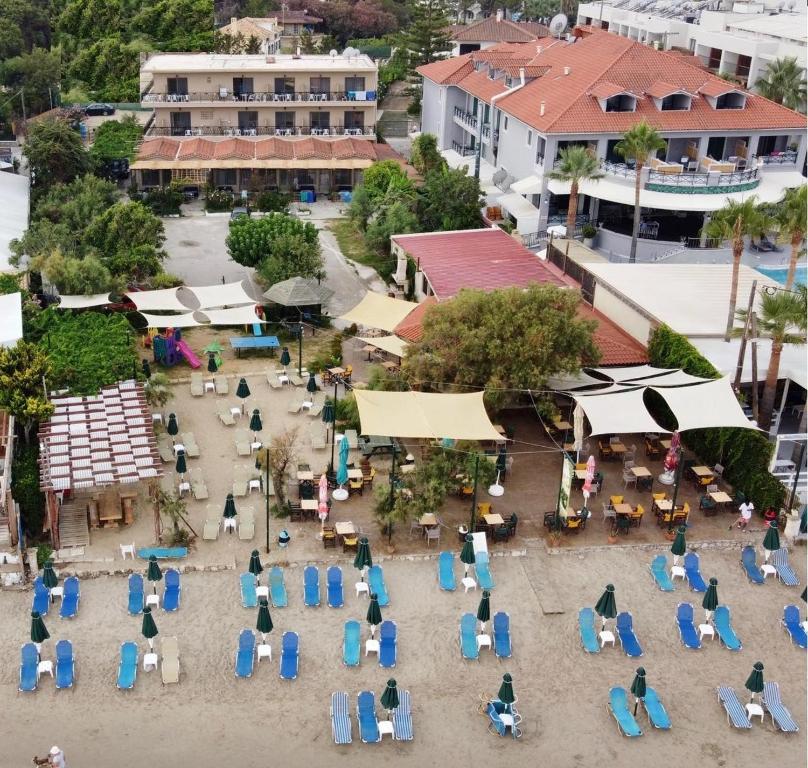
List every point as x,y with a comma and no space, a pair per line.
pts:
623,102
732,100
721,95
676,102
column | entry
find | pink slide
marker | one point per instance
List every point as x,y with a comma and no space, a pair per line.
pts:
188,354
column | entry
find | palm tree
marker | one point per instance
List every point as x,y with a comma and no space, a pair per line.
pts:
637,144
576,164
781,319
791,215
732,223
783,83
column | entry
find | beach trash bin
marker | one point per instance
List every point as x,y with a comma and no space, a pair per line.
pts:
283,539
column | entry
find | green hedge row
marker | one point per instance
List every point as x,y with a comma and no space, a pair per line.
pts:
744,453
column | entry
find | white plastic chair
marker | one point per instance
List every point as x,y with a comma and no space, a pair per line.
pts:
128,549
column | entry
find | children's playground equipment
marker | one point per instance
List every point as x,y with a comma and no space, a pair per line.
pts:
169,346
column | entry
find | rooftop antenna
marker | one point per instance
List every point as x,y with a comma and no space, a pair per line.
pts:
558,24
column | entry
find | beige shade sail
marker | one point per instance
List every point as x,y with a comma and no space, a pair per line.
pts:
391,344
712,404
83,302
165,299
378,311
618,413
578,380
226,295
186,320
630,373
424,415
233,316
672,379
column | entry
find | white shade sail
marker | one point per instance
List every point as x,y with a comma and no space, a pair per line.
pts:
186,320
83,302
573,381
701,406
228,294
391,344
630,373
165,299
378,311
619,412
672,379
425,415
232,316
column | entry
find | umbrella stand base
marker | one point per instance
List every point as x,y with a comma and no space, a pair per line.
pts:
339,494
496,490
667,478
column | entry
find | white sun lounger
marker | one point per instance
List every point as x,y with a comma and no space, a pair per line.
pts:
246,523
221,385
241,481
295,406
197,385
243,442
170,665
317,440
211,530
273,381
316,409
165,448
225,416
198,487
191,448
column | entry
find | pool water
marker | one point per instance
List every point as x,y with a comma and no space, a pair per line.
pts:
780,275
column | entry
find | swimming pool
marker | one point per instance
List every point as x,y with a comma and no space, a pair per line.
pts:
780,274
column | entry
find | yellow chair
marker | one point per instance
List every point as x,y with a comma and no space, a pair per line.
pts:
658,496
636,515
615,500
356,486
484,508
580,466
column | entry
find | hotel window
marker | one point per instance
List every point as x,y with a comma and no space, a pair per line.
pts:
177,86
529,138
321,120
354,83
320,84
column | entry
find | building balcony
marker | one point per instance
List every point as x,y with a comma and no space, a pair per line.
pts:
678,180
225,97
368,131
486,134
465,118
461,149
788,157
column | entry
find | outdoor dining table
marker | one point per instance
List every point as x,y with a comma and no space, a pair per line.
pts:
309,505
721,498
618,448
354,474
336,371
369,349
493,520
623,509
663,505
390,365
643,475
343,529
427,520
580,474
702,471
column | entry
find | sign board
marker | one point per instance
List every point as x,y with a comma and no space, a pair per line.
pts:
567,473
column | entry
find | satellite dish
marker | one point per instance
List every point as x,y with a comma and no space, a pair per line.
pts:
332,53
558,25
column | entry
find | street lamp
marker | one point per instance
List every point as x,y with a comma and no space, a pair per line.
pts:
300,349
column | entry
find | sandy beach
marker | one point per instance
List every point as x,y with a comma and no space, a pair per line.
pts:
213,719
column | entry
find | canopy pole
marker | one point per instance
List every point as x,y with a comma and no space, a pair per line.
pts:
334,429
742,349
474,493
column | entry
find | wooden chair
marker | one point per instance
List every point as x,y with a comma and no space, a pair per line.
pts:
652,448
432,534
605,451
356,486
350,543
329,537
367,477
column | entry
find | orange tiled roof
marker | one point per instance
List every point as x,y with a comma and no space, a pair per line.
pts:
717,87
615,345
660,89
486,30
411,328
441,71
605,90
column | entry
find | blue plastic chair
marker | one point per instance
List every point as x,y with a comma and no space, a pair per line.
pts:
693,573
402,718
502,635
586,628
351,644
723,625
792,624
173,590
41,597
311,586
340,718
70,598
290,655
377,585
749,564
446,577
618,705
245,654
65,664
655,710
483,572
127,668
659,570
135,594
388,645
249,598
29,666
468,637
687,629
366,714
277,589
336,598
628,640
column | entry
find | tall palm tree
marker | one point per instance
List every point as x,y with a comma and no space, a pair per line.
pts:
733,223
781,318
791,215
783,83
576,164
637,144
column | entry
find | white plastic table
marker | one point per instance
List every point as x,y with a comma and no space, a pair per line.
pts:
767,570
149,662
254,485
371,646
677,572
386,729
45,667
229,522
57,591
264,651
606,637
262,591
706,630
153,600
754,710
468,583
210,386
362,587
483,641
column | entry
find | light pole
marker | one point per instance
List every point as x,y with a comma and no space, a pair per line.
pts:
333,430
300,349
474,492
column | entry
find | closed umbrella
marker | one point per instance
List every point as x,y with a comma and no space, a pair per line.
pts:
804,520
255,423
264,622
328,412
255,567
506,695
285,357
484,609
229,509
39,632
172,427
710,601
342,470
363,558
149,628
154,574
804,595
771,541
242,391
606,607
374,614
212,367
754,683
671,460
638,687
144,364
467,553
322,506
181,466
578,430
311,384
389,699
678,547
49,577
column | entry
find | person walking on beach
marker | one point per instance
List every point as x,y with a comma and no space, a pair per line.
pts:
55,759
746,509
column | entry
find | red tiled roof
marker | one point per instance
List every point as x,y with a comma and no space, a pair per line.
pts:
411,328
487,30
605,90
485,259
660,89
717,87
615,345
441,71
298,17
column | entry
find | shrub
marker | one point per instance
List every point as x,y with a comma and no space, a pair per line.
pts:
217,201
589,231
165,201
25,488
272,201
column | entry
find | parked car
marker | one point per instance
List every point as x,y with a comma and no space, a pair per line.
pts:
238,213
116,169
99,108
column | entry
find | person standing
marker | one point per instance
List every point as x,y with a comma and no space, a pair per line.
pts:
55,759
746,509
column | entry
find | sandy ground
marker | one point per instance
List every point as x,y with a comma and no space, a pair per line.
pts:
212,719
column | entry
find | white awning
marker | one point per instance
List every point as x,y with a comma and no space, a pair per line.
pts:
391,344
672,379
163,299
378,311
530,185
186,320
83,302
10,319
618,413
232,316
424,415
518,206
226,295
705,405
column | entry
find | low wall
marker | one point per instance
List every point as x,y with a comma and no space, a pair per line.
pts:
616,247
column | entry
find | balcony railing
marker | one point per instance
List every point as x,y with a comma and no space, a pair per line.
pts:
225,96
789,157
465,117
686,182
486,132
262,130
461,149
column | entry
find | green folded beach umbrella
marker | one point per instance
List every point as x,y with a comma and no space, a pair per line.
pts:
374,615
229,506
678,547
710,601
638,687
144,364
311,384
804,520
243,391
212,367
154,574
771,540
39,632
255,567
328,412
172,427
467,553
264,623
49,577
606,607
285,357
484,609
754,683
181,465
389,699
804,595
255,423
363,559
505,694
148,628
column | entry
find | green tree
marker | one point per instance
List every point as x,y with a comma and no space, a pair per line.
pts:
449,199
638,144
382,183
427,37
791,214
24,369
108,68
396,218
424,155
733,223
37,74
541,9
251,241
291,256
576,164
24,25
9,283
784,83
116,138
54,153
72,275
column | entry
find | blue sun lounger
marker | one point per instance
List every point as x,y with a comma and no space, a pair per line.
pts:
377,585
135,594
249,598
70,598
687,629
333,577
618,706
659,570
41,597
277,589
468,637
311,586
785,572
625,630
792,624
693,573
366,715
494,711
655,710
446,577
736,714
245,653
65,664
29,668
781,717
290,655
502,635
749,564
351,644
482,571
388,644
586,628
127,668
723,625
173,590
402,718
340,718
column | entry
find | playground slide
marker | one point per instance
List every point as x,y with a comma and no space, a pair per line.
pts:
188,354
257,331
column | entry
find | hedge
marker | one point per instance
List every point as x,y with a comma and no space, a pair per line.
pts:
744,453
